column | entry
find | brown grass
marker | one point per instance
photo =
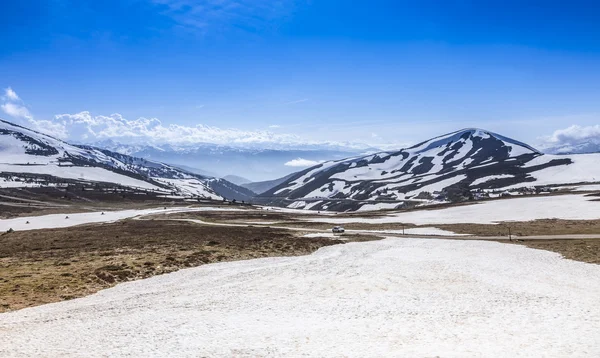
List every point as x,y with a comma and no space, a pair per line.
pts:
528,228
43,266
578,250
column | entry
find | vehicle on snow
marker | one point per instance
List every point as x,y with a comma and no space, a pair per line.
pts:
337,230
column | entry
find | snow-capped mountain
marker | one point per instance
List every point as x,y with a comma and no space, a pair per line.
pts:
463,160
29,158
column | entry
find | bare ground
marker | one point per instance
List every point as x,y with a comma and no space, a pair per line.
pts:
528,228
578,250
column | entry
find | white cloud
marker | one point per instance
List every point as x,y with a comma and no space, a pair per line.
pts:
16,110
275,126
573,139
575,134
301,162
86,127
12,105
11,95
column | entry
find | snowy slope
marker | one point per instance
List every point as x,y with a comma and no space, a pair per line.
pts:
567,207
28,157
461,161
390,298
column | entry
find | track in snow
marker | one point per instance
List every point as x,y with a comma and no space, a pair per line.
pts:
397,297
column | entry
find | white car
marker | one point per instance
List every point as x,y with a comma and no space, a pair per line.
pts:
337,230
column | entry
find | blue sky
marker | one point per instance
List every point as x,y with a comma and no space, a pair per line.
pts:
381,73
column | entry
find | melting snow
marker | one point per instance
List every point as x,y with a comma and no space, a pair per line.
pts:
491,177
433,231
321,234
66,220
403,297
378,206
585,168
572,207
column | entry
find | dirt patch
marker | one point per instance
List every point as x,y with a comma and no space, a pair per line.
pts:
43,266
578,250
9,211
528,228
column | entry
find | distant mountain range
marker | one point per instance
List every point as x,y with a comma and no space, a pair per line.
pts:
456,164
219,160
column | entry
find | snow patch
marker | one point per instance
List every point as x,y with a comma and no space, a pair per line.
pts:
567,207
54,221
490,178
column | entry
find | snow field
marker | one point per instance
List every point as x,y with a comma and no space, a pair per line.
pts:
378,206
437,186
396,297
586,188
433,231
585,168
490,178
93,174
296,211
568,207
322,234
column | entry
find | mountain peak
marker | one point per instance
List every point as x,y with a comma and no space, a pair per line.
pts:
476,136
